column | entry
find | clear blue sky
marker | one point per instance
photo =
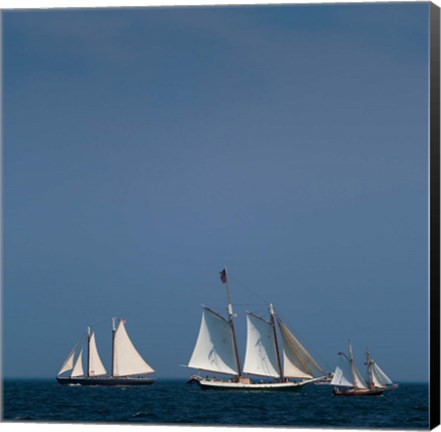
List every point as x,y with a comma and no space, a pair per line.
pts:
145,149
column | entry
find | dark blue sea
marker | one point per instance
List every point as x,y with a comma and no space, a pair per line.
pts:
174,402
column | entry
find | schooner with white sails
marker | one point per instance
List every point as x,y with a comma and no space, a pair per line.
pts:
128,367
216,351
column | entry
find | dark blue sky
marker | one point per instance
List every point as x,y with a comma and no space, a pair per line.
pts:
145,149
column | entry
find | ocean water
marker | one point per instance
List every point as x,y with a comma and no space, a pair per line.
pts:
173,402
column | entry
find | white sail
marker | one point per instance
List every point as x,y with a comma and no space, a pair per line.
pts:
214,350
78,368
379,378
297,362
260,355
126,359
339,379
359,381
96,366
68,363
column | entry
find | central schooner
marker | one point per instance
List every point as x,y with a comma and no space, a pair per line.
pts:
128,367
216,351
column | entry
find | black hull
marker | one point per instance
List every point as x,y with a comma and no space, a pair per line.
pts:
107,381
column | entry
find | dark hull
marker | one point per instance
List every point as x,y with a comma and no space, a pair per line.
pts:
106,381
357,392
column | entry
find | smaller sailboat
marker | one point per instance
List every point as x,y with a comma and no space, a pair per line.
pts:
128,367
377,377
351,384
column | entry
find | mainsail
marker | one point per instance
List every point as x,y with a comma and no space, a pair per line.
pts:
126,359
297,362
261,354
214,350
96,366
359,381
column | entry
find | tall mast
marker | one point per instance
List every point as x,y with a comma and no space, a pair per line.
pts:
113,345
351,361
271,309
88,351
224,279
369,363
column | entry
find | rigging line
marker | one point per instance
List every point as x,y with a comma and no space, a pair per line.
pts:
79,343
96,323
247,304
241,284
260,312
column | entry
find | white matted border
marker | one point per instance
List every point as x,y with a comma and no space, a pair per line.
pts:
26,4
86,427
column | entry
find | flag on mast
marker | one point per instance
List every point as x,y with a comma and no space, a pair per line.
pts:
223,276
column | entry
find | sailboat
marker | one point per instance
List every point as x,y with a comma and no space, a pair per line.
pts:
353,384
377,377
128,367
216,351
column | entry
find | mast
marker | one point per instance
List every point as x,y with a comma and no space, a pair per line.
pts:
369,363
224,279
88,351
351,361
112,372
271,309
